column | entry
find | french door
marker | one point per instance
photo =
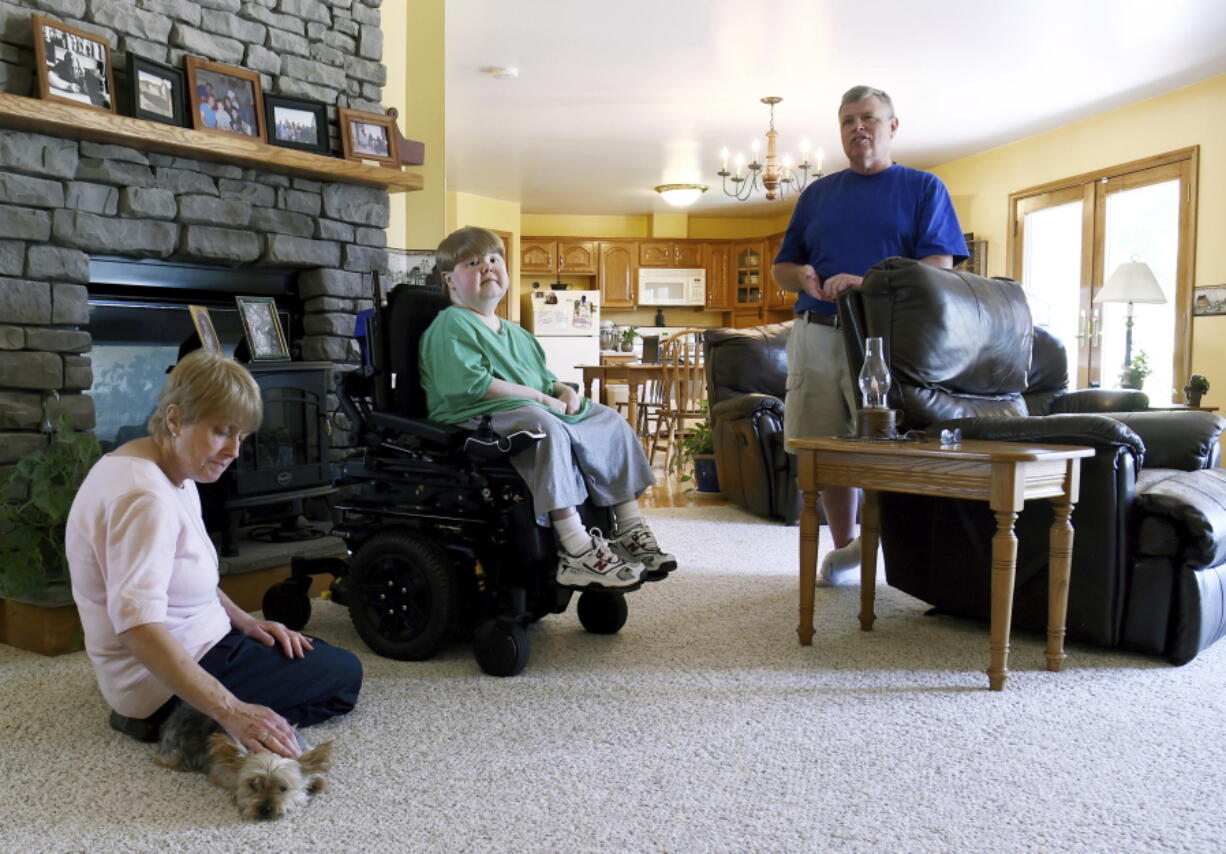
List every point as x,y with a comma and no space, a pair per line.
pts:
1070,236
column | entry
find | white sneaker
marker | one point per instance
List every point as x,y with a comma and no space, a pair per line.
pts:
639,544
598,566
839,565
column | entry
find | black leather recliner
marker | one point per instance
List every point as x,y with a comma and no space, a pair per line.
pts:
1149,533
747,372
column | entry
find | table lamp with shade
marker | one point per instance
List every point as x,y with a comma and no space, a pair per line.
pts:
1131,282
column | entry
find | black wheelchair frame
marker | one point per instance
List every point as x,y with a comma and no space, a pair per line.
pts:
441,536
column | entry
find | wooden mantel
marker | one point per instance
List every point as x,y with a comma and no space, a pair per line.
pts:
65,120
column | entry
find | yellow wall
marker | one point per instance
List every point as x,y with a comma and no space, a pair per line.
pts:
654,225
464,209
569,225
1195,115
415,87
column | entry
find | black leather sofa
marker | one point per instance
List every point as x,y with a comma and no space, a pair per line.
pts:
1149,558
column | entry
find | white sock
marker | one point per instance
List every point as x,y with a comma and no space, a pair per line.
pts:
841,561
571,535
626,515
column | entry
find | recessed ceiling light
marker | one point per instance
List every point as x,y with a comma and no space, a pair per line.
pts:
500,72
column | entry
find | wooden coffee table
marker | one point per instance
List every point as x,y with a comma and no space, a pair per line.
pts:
1004,474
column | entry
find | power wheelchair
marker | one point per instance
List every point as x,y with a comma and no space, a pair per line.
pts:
440,531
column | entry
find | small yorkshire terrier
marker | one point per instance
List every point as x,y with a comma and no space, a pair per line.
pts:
264,785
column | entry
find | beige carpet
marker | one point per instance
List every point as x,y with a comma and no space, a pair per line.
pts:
703,726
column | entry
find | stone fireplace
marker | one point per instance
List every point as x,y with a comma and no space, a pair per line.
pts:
71,209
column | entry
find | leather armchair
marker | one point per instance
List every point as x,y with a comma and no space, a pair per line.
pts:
746,383
1149,554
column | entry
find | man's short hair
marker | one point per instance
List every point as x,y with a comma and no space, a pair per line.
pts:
859,93
463,244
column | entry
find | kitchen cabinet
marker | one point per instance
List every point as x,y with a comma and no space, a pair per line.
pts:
562,257
577,257
538,256
776,297
719,257
617,274
670,253
745,318
748,275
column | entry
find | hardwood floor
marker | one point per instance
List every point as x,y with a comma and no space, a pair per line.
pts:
669,492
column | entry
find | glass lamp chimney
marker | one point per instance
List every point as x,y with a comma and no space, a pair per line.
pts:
874,375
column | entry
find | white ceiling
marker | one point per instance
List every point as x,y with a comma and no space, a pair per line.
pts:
616,96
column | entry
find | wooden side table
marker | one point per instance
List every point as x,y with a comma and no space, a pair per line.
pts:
1004,474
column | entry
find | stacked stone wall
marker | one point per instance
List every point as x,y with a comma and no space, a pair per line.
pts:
62,201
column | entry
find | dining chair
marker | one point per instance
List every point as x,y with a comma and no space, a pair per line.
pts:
683,389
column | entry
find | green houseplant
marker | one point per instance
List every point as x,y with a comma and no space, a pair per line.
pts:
628,336
697,445
1138,369
41,488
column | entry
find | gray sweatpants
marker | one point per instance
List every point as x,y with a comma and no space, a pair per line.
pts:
598,458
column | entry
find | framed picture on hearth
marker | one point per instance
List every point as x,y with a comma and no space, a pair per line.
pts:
297,123
368,136
265,338
155,91
74,66
224,99
204,328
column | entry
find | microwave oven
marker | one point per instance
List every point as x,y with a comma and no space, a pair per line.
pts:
664,286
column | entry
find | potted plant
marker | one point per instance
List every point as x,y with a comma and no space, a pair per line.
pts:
38,493
1138,369
628,336
698,445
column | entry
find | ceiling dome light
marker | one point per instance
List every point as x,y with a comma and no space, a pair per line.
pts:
681,195
500,72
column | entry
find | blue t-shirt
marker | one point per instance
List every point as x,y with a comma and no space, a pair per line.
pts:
847,222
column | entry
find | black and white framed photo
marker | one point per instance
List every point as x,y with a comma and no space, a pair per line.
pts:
204,328
156,91
74,66
297,123
265,338
413,267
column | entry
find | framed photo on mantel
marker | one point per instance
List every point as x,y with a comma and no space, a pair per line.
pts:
224,99
265,338
73,66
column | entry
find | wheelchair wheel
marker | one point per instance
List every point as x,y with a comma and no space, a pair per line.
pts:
288,602
402,596
602,612
501,650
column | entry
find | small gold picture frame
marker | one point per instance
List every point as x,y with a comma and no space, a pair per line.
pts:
204,328
262,326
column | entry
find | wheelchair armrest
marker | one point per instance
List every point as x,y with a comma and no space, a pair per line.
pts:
429,431
490,446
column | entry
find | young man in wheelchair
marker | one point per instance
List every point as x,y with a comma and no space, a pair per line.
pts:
474,363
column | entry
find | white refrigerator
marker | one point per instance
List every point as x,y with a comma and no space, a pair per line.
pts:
567,323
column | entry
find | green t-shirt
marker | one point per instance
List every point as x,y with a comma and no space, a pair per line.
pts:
460,355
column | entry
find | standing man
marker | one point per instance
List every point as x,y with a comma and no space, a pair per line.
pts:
843,225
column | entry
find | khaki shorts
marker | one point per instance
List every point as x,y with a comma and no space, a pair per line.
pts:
821,397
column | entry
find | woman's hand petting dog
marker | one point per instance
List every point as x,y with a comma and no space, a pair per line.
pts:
259,728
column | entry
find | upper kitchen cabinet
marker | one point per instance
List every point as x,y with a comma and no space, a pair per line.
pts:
538,256
718,264
569,257
776,297
748,274
617,272
577,257
670,253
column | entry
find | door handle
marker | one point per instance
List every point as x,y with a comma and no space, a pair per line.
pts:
1096,327
1081,326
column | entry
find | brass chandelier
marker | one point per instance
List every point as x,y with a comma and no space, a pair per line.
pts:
773,175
